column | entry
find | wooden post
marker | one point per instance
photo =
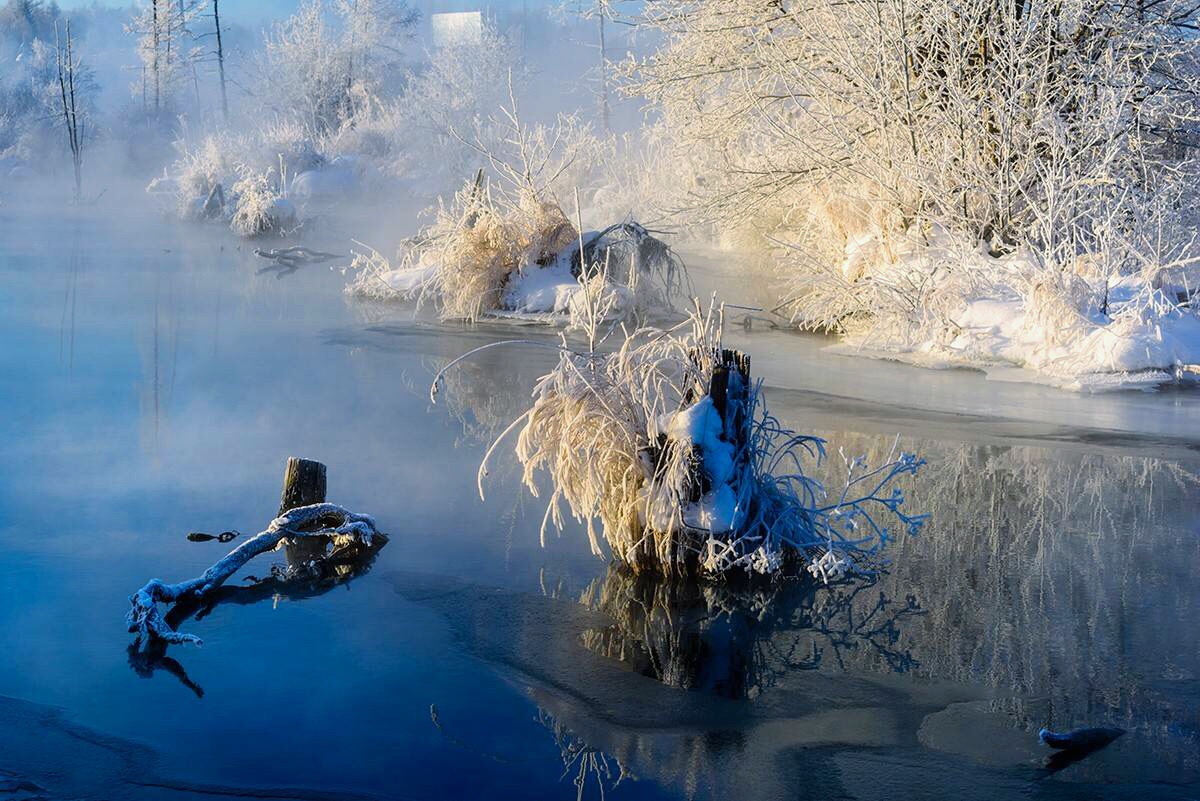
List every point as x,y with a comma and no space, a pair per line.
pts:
303,484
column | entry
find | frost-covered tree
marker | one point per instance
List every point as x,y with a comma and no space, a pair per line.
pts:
448,105
22,21
26,27
167,49
1066,127
44,87
327,63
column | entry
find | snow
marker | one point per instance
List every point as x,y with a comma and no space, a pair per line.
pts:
714,511
1140,341
554,290
282,213
409,281
701,425
338,179
1053,325
541,290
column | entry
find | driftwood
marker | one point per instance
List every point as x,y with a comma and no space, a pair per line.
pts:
326,530
288,260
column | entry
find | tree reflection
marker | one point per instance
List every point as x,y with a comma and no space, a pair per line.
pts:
1058,577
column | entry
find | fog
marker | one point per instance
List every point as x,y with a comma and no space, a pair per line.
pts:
399,236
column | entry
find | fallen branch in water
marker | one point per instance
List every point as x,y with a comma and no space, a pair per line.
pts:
340,526
288,260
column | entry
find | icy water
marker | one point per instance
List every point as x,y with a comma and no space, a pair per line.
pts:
152,384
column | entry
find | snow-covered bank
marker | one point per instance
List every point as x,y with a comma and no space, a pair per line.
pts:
1143,343
932,301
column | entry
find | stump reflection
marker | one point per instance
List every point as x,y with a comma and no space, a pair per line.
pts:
736,639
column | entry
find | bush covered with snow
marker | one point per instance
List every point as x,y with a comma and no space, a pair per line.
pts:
625,436
895,158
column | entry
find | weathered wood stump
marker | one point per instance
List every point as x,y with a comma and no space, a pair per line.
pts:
729,388
303,485
304,518
214,204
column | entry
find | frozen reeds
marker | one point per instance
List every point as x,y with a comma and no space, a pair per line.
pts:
495,252
664,449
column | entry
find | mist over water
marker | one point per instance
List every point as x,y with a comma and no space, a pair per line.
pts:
156,373
154,383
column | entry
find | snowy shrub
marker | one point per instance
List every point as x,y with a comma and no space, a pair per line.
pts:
322,63
201,166
625,436
881,150
259,207
449,101
488,253
289,142
506,246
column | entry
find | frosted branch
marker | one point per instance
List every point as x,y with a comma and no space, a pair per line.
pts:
328,520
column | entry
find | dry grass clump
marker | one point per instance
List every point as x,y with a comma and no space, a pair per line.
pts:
480,243
465,258
475,253
260,207
676,474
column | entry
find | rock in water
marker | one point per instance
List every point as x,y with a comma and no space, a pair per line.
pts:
1085,739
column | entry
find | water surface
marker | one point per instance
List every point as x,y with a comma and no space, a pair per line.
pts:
153,383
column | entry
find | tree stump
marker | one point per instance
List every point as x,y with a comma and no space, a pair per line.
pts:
729,388
214,204
303,485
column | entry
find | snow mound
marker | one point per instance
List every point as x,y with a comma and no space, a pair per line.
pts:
1081,330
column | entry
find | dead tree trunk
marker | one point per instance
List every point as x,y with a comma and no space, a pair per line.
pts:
220,60
729,389
154,66
303,484
604,108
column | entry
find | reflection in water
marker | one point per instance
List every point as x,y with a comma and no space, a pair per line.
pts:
1060,581
160,358
588,769
1065,581
66,327
737,641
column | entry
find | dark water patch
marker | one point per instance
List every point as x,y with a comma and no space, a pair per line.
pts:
44,754
808,736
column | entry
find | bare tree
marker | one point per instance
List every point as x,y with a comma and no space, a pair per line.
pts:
166,47
220,58
67,67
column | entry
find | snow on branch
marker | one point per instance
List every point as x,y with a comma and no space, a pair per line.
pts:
339,526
